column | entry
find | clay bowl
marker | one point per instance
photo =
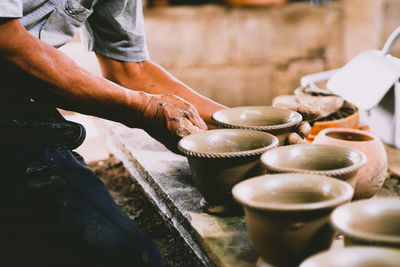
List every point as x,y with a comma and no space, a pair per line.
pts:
369,222
370,177
336,161
355,257
220,158
276,121
287,215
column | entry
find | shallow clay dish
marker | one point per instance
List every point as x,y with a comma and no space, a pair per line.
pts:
369,222
276,121
369,179
355,257
287,215
219,159
330,160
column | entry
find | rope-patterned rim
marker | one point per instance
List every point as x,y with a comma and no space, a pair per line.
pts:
333,173
362,236
289,124
246,153
371,239
330,203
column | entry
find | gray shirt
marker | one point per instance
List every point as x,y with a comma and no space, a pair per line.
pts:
113,28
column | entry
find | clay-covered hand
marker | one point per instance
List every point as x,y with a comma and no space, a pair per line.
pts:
168,118
304,128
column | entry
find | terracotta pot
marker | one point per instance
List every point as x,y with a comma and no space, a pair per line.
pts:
287,215
351,122
373,222
219,159
336,161
276,121
371,176
355,257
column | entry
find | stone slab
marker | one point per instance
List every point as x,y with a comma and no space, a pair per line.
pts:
165,177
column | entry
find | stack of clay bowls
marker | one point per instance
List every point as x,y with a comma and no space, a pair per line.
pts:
276,121
220,158
287,215
330,160
370,177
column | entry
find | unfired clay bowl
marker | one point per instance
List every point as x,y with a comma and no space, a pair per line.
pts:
219,159
287,215
276,121
355,257
373,222
370,177
336,161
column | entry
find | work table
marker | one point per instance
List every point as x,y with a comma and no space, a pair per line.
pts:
165,178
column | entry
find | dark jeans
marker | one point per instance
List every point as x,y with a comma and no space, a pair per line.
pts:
54,211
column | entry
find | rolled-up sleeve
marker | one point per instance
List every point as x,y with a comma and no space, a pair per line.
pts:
116,30
11,9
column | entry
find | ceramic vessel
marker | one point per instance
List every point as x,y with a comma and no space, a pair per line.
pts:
336,161
220,158
355,257
369,222
276,121
371,176
351,122
287,215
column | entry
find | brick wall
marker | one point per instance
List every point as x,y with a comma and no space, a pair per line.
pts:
247,56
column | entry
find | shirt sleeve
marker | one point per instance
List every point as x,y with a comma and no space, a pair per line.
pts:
11,8
116,30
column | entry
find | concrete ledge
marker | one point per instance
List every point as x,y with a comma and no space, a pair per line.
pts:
165,177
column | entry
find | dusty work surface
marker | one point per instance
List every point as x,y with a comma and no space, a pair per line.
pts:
165,177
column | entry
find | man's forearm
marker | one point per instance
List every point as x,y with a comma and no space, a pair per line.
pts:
66,85
151,78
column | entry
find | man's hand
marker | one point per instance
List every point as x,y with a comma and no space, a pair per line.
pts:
304,128
151,78
168,118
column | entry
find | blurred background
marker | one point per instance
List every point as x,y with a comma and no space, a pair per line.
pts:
246,55
246,52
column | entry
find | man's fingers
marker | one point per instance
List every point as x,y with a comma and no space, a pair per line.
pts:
195,118
177,107
186,128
